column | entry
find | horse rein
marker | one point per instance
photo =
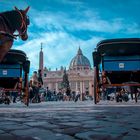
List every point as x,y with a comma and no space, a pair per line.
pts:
23,24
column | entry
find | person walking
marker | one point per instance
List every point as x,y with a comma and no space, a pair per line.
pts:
77,96
35,86
48,94
31,94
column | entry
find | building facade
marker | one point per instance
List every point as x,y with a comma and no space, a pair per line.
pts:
80,75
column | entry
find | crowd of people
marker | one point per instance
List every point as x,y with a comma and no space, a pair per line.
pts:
38,93
45,94
13,95
120,94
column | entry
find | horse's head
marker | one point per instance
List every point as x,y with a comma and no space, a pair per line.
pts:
24,22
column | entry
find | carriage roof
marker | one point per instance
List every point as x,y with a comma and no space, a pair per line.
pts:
119,47
15,56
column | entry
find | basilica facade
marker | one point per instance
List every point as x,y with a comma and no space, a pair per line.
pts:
80,75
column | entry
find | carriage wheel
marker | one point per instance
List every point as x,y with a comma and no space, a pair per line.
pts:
95,86
136,100
26,100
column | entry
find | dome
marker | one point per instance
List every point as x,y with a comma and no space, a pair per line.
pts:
79,62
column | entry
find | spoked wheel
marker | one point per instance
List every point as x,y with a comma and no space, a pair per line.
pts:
26,92
95,86
26,98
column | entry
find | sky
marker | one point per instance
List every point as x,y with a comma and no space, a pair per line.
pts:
64,25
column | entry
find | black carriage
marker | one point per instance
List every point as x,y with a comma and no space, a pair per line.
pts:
116,64
14,69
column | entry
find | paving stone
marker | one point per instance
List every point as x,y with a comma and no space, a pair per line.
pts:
63,117
92,135
70,124
135,126
7,136
112,130
40,134
36,123
94,122
15,119
135,132
7,123
62,137
1,131
51,126
131,138
13,127
68,121
82,118
70,131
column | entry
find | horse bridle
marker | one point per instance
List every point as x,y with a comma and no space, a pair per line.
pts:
23,23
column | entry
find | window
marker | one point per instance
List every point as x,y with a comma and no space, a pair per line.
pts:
73,85
86,84
78,85
45,75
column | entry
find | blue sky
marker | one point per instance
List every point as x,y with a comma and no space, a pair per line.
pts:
63,25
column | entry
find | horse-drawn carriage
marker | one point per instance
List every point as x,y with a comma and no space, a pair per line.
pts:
13,62
14,70
116,65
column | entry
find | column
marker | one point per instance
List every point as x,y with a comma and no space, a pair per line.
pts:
91,89
56,87
76,86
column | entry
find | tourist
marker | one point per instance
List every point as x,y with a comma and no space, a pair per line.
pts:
118,95
48,94
77,96
35,87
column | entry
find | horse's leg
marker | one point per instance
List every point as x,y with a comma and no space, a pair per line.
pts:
4,48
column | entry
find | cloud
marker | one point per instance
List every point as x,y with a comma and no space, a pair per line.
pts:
83,20
9,5
58,47
54,29
133,29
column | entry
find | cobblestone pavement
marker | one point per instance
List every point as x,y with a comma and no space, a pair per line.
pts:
70,121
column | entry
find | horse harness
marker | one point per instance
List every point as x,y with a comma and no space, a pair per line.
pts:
9,36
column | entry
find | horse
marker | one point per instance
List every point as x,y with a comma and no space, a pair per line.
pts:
11,21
